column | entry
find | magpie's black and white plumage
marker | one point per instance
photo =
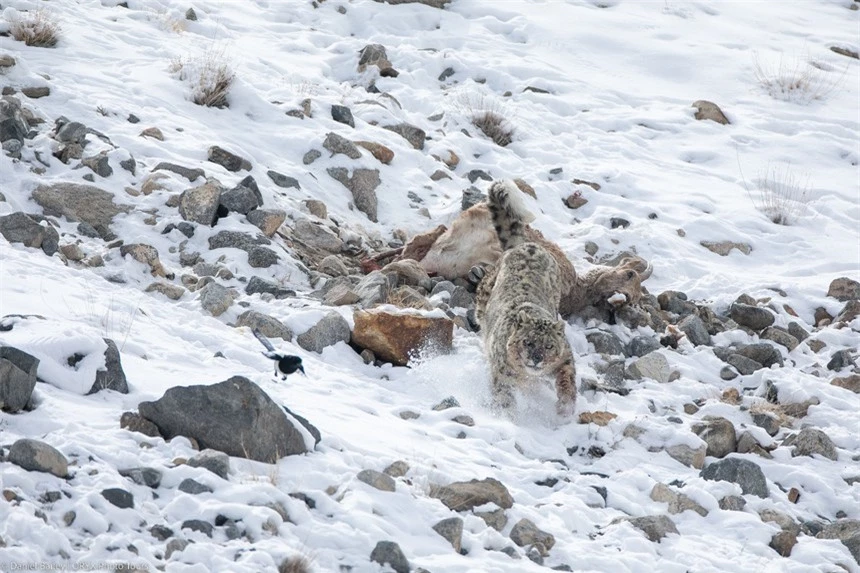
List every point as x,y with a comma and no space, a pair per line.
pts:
284,363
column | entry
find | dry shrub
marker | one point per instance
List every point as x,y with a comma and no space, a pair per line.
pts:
487,115
295,564
779,193
36,28
796,79
211,76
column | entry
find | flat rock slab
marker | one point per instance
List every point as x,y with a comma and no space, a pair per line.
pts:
78,202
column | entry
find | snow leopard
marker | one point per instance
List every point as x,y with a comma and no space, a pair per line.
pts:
517,309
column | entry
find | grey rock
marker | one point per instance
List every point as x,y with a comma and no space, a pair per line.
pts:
389,553
655,527
215,299
678,502
452,530
765,354
732,503
780,336
397,469
134,422
267,220
161,532
839,360
311,156
283,180
471,197
188,173
72,132
338,144
175,546
723,248
797,331
118,497
129,165
618,222
200,204
727,373
193,487
844,289
654,366
243,198
236,240
743,472
767,421
443,286
410,273
17,378
262,257
234,416
719,434
362,184
173,292
80,203
198,525
847,531
33,455
342,114
414,135
373,55
463,496
750,316
227,160
373,289
783,542
525,532
333,265
191,15
377,480
13,124
99,164
461,298
476,174
22,228
495,518
333,328
605,343
146,254
676,303
743,364
150,477
709,110
446,403
216,462
813,441
696,330
112,377
317,235
259,285
269,326
642,345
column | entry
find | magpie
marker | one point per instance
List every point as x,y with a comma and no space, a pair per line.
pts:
284,363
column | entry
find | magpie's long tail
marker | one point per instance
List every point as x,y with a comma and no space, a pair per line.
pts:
264,341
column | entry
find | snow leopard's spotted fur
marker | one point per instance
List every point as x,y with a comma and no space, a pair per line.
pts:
517,308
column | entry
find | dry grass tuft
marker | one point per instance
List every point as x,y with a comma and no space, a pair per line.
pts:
211,77
796,79
295,564
779,193
494,126
36,28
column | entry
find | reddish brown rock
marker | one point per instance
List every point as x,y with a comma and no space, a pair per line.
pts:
397,338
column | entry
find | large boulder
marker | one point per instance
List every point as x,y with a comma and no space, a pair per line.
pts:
465,495
200,204
17,378
397,338
83,203
33,455
22,228
235,417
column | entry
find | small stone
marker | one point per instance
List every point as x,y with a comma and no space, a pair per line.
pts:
452,530
449,402
709,110
850,382
227,160
597,418
338,144
575,201
152,132
654,366
732,503
377,480
316,208
618,223
783,542
134,422
36,92
463,496
780,336
696,330
605,343
397,469
813,441
389,553
719,434
216,462
267,220
311,156
342,114
678,502
414,135
283,180
118,497
752,317
525,532
655,527
743,472
150,477
723,248
198,525
382,154
191,15
839,360
193,487
844,289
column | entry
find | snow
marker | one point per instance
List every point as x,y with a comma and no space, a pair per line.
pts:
621,76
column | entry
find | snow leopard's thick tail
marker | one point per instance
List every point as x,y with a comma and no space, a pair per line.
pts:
509,213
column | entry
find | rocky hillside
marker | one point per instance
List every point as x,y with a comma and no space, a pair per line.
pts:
176,175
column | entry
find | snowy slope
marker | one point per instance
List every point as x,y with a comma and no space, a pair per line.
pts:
621,77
